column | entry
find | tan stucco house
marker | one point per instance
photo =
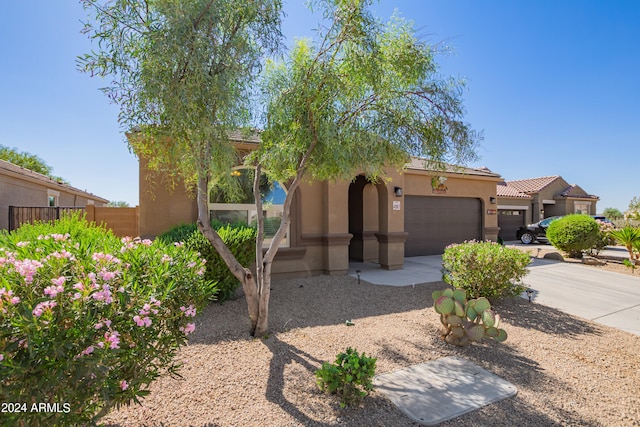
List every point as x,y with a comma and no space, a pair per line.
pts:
23,187
414,212
527,201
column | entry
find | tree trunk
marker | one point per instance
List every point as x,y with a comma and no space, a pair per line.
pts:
243,274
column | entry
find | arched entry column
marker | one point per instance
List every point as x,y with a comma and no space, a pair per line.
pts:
391,235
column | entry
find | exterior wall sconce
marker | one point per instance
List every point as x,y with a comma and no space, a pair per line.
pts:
493,200
398,191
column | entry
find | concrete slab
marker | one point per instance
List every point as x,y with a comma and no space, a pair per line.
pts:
415,270
443,389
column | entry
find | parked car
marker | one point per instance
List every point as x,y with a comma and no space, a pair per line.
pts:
536,231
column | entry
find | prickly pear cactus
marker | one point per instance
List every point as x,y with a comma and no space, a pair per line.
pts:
465,321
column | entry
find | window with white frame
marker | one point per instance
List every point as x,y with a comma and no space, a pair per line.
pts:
53,198
236,206
582,207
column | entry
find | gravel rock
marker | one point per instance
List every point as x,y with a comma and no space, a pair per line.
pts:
568,371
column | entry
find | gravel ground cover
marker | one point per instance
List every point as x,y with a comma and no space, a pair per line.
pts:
568,371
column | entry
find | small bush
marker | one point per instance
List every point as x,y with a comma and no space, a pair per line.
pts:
485,269
239,238
87,320
574,234
349,377
604,237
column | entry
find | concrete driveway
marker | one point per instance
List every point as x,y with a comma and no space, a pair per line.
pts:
612,299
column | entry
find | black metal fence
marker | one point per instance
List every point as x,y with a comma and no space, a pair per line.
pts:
19,215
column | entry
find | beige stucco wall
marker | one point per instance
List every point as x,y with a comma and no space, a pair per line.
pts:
418,183
17,191
320,236
162,207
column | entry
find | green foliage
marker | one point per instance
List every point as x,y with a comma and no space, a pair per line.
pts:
118,204
349,376
182,73
465,321
28,161
612,213
574,234
239,238
485,269
630,238
362,97
88,320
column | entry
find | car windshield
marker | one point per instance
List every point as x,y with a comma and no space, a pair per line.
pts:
547,221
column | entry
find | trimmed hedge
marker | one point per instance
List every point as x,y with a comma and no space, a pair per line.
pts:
485,269
239,238
574,234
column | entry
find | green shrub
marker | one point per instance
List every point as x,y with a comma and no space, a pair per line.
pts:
87,320
485,269
239,238
465,321
604,238
349,377
574,234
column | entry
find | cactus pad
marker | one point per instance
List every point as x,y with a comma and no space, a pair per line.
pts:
444,305
488,318
482,304
476,332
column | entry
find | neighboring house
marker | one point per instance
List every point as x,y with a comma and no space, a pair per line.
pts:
527,201
23,187
415,212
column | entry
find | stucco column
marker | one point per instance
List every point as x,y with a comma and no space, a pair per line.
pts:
391,235
336,236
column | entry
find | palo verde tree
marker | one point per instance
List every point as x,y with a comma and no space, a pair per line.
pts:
364,97
182,74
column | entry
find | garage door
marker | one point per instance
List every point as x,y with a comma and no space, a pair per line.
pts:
435,222
509,221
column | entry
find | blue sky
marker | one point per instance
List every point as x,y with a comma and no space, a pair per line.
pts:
552,84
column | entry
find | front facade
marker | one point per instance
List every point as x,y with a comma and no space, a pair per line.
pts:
23,187
414,212
526,201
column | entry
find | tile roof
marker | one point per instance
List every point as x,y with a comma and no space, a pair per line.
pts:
577,192
532,185
504,190
422,164
524,188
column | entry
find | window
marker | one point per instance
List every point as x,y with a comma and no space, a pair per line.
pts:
238,204
52,198
582,207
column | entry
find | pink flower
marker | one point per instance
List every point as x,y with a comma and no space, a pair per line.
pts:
22,244
188,311
59,281
188,329
124,385
87,351
1,357
112,338
43,307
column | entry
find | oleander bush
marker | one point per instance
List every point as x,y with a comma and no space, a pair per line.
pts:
485,269
239,238
574,234
88,320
